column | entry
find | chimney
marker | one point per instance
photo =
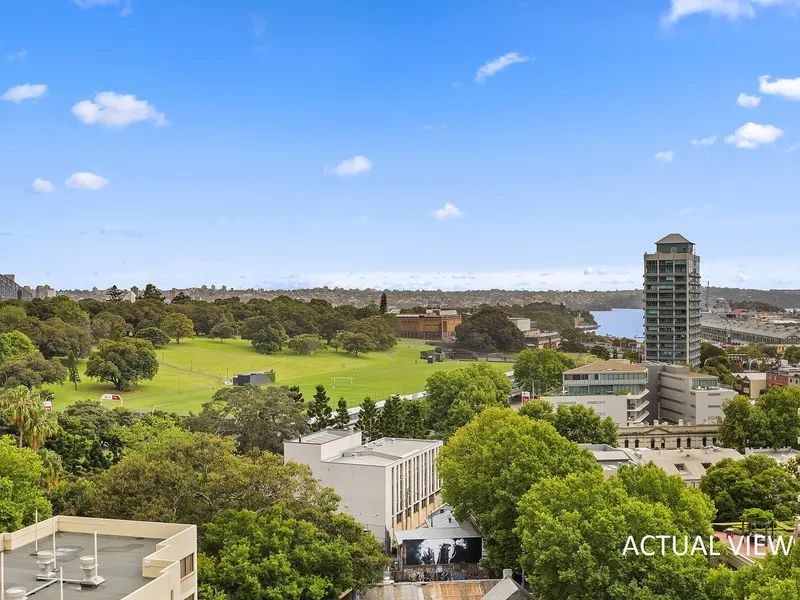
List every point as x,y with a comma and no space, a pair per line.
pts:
507,573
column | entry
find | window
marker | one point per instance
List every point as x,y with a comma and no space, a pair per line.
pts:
688,442
678,442
626,443
187,566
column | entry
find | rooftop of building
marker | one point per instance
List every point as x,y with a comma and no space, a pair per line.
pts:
673,238
124,549
689,463
610,458
752,376
382,452
480,589
765,328
119,562
610,365
322,437
781,455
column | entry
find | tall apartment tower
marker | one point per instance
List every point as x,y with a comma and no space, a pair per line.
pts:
672,292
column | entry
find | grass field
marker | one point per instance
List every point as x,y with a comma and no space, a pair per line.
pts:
198,367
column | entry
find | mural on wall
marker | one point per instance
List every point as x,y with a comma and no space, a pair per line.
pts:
443,551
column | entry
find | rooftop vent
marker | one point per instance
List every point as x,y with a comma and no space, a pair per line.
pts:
17,593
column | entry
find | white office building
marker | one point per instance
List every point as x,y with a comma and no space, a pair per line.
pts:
689,397
387,485
613,388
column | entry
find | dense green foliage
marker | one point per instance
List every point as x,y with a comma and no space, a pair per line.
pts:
772,422
455,397
755,482
490,463
123,363
489,330
577,423
256,417
574,530
20,493
540,370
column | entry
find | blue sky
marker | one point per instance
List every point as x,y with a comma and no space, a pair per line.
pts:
448,144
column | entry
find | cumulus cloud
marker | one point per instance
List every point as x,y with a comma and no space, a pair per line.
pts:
117,110
740,277
25,92
709,141
788,88
448,211
42,186
86,181
665,157
746,101
350,166
731,9
588,271
493,67
752,135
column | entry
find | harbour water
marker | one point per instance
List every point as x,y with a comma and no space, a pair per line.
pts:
620,322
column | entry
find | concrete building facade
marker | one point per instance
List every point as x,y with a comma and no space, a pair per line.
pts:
135,560
666,436
387,485
672,292
689,397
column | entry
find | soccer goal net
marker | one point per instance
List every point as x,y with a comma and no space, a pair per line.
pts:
342,380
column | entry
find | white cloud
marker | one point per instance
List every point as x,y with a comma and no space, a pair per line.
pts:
94,3
665,157
752,135
259,25
117,110
740,277
17,55
120,230
448,211
792,148
709,141
493,67
42,186
788,88
350,166
746,101
732,9
127,10
588,271
25,92
86,181
433,127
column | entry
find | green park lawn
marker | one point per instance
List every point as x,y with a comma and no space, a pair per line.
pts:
198,366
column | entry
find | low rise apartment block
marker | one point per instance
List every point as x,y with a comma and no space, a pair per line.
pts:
632,393
783,377
387,485
100,559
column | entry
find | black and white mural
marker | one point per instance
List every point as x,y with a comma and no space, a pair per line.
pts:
443,551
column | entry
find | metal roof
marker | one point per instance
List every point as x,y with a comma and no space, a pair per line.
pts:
673,238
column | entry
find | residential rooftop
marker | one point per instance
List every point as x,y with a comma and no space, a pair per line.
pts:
600,366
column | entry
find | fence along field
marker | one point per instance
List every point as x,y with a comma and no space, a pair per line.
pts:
191,372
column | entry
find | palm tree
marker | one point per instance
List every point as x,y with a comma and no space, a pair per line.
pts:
18,402
52,468
40,425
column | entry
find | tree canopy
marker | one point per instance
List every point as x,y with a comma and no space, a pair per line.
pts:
540,370
489,330
123,363
456,396
256,417
490,463
577,423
